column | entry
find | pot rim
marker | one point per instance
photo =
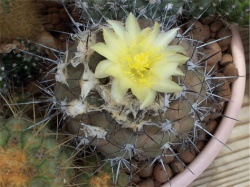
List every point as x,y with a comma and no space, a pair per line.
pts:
213,147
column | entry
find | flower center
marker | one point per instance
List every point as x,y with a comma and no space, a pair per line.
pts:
139,65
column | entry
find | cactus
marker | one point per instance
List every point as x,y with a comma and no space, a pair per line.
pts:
230,11
19,19
123,125
21,67
31,156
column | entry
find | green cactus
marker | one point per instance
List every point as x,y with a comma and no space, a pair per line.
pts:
31,157
229,10
19,67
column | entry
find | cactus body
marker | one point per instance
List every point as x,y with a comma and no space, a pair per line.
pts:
19,67
231,11
29,157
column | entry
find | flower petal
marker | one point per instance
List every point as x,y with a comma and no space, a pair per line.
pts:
165,86
118,28
113,41
165,70
106,68
164,39
132,27
177,58
144,94
154,33
150,98
105,51
176,49
118,90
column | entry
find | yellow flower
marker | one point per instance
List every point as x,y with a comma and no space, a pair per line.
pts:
140,60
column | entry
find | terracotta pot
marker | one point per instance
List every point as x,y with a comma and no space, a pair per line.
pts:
212,149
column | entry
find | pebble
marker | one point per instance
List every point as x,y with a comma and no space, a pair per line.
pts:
207,20
177,166
211,126
212,52
157,184
186,156
144,169
224,48
225,91
231,70
224,32
136,178
168,157
146,183
226,59
162,175
212,34
199,145
216,25
199,32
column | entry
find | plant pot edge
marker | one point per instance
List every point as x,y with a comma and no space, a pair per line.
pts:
212,149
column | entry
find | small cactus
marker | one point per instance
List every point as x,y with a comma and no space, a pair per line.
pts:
228,10
19,67
31,157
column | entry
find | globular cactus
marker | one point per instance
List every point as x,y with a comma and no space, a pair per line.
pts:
19,19
20,67
31,156
231,11
111,104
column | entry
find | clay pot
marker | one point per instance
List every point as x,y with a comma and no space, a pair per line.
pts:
211,150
